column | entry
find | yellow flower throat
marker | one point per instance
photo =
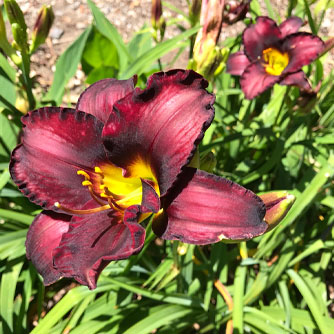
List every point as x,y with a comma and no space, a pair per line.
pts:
274,61
111,190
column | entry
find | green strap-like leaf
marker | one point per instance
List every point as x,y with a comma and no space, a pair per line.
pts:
66,67
108,30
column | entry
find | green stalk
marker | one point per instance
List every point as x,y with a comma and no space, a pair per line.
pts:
27,80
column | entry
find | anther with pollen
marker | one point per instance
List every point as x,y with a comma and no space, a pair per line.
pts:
106,194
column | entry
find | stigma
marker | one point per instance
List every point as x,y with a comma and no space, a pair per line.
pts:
274,61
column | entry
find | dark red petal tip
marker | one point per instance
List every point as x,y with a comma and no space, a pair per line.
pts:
150,199
255,80
237,63
206,209
99,98
297,79
260,36
160,125
302,49
92,242
56,142
43,237
290,26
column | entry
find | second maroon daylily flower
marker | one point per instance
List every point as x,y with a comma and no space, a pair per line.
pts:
274,54
119,157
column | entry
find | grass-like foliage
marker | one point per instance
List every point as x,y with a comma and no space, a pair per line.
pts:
281,282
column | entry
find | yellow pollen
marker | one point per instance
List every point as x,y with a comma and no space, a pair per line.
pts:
98,170
86,183
111,190
81,172
274,61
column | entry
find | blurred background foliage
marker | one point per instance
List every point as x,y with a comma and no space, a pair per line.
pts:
281,282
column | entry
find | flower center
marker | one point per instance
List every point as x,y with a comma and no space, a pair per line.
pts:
274,61
111,190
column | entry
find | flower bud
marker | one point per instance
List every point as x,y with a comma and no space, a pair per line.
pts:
235,11
206,54
21,103
20,37
15,14
42,27
3,35
194,11
158,22
18,24
277,203
208,162
4,44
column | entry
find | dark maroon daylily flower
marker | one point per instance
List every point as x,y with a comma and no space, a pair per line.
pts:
274,54
119,157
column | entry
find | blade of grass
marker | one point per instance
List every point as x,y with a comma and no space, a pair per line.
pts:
66,67
239,286
308,195
167,298
17,216
7,293
165,314
140,64
310,301
310,18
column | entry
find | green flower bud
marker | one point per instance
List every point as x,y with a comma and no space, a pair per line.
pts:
4,44
277,203
3,35
18,24
42,27
208,162
15,14
208,61
20,37
194,11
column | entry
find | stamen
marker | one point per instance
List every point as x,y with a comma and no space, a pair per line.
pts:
82,212
95,196
98,170
86,183
111,194
112,203
81,172
89,185
274,61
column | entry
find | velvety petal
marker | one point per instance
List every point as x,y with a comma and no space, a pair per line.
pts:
255,80
237,63
297,79
160,125
43,237
56,142
150,199
290,26
206,208
94,240
302,49
99,98
260,36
